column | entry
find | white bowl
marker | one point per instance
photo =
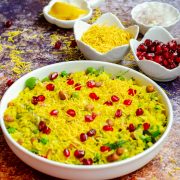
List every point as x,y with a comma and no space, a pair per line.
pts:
83,4
114,55
169,14
151,68
68,171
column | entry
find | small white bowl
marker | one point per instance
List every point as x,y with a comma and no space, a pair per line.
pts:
170,15
83,4
114,55
80,172
151,68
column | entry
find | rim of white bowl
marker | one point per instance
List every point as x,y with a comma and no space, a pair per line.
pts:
51,3
155,2
101,166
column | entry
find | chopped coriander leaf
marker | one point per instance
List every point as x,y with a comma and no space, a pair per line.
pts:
64,73
90,70
31,82
46,79
11,130
44,140
35,131
35,151
116,144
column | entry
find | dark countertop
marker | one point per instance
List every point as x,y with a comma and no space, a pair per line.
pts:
32,47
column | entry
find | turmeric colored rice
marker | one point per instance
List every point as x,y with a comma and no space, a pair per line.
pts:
86,117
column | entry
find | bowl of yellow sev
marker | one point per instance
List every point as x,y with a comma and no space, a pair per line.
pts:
64,13
85,119
106,39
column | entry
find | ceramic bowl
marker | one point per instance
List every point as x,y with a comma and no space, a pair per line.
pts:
114,55
169,14
69,171
83,4
151,68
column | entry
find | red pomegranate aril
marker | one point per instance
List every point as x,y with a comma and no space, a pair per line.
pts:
158,59
105,148
77,87
93,96
107,128
118,113
140,57
131,92
70,81
46,130
177,59
50,87
165,63
9,82
166,55
139,112
41,125
91,84
8,24
172,44
57,45
127,102
88,118
114,98
54,112
149,56
131,128
79,153
94,115
66,152
41,98
71,112
34,100
148,42
108,103
139,53
142,48
146,126
88,161
152,49
170,61
158,49
83,137
164,48
91,132
53,76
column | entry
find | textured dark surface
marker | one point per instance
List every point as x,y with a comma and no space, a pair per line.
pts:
35,45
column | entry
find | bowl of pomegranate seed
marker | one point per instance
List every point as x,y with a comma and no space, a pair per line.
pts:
150,14
158,54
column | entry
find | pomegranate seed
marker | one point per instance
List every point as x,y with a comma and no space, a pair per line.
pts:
70,81
165,63
54,112
107,128
88,161
41,125
170,61
34,100
148,42
8,24
83,137
158,59
142,48
78,87
66,152
79,153
88,118
94,115
71,112
149,56
166,55
105,148
164,48
91,132
172,44
178,59
118,113
53,76
131,92
139,53
57,45
152,49
158,49
93,96
9,82
131,128
50,87
41,98
146,126
91,84
46,130
114,98
139,112
127,102
108,103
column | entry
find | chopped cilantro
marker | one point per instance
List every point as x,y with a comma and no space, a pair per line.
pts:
116,144
44,140
11,130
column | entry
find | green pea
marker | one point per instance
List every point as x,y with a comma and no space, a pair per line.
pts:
35,131
11,130
31,82
75,95
64,73
46,79
44,140
90,70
